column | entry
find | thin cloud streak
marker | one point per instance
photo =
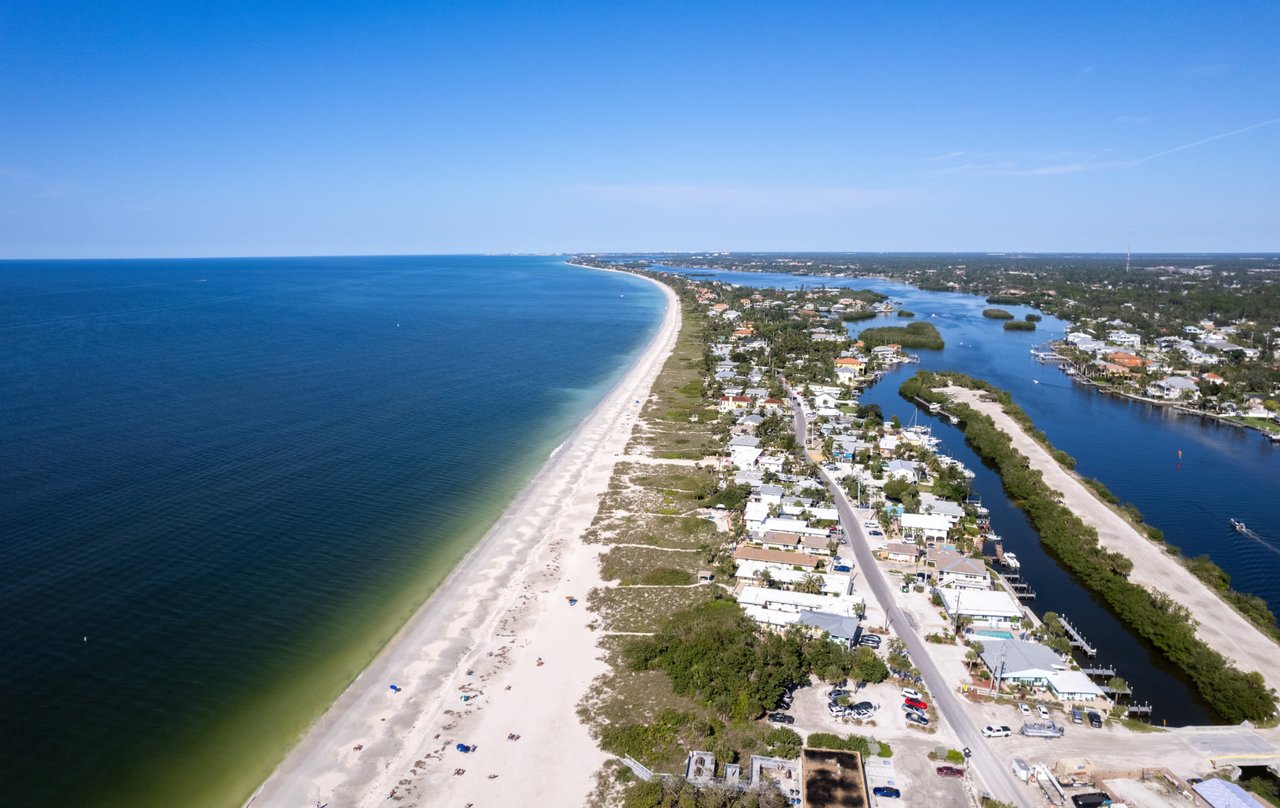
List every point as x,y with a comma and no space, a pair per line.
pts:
788,198
1010,168
1209,139
948,156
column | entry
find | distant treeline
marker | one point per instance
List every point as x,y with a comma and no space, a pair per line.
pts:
1234,694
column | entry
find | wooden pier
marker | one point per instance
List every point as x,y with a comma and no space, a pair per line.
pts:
1077,639
1137,709
1099,670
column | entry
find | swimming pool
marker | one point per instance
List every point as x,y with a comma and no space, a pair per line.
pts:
990,632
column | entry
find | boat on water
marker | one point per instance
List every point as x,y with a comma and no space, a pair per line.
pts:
1238,525
1011,561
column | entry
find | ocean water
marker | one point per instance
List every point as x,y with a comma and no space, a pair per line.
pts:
224,484
1187,476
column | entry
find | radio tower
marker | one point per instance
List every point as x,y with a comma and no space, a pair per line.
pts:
1128,250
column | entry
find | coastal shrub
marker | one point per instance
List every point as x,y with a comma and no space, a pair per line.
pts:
717,656
1019,325
667,576
914,335
1234,694
1006,300
649,742
996,314
905,313
783,742
1065,460
732,497
854,743
1033,318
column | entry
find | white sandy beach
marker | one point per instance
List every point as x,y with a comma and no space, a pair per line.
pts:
481,635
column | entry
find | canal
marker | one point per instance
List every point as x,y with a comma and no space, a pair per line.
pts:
1186,475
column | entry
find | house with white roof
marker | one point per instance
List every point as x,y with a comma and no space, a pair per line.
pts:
906,470
991,607
784,524
781,607
927,527
744,450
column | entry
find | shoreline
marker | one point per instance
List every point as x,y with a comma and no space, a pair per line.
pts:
499,632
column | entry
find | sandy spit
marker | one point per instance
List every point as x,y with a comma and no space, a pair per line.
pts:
500,632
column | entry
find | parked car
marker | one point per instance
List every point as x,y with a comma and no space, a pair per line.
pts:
915,704
993,731
886,791
1044,714
917,718
1077,715
837,693
950,771
782,718
841,568
870,640
912,693
1024,709
864,705
1095,720
874,533
836,709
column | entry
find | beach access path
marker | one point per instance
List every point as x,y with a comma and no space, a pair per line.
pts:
1218,624
500,631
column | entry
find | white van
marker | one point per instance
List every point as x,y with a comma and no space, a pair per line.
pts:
1021,770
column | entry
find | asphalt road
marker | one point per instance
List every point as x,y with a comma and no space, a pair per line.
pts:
996,778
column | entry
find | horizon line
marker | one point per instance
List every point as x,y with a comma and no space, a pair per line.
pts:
571,253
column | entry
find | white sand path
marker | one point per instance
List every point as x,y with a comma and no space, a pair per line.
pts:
482,634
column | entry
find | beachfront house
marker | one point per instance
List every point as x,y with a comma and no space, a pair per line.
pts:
832,584
780,607
780,557
989,607
744,450
839,627
780,540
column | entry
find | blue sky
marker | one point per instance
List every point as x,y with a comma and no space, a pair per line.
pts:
186,129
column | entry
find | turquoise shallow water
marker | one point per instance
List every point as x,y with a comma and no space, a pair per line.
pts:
226,482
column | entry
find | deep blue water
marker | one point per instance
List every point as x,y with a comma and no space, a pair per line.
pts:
1132,447
223,483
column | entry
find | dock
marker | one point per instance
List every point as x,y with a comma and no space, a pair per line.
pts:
1077,639
1099,670
1137,709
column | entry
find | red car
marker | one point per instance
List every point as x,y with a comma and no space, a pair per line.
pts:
950,771
915,704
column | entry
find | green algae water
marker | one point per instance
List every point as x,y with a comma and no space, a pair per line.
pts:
227,483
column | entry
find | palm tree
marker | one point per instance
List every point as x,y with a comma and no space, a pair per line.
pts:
811,584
